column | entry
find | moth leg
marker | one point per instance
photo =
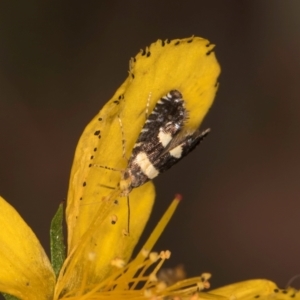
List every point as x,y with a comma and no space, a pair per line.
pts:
107,168
97,202
108,187
128,215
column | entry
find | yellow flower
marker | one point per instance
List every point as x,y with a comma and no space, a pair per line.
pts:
188,65
99,245
98,241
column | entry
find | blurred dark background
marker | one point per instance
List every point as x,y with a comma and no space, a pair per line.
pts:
62,60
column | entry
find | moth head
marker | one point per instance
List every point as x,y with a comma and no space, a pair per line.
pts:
125,183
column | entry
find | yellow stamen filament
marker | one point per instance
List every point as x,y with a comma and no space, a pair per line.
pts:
137,280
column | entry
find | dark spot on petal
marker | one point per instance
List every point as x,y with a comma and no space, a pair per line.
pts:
84,184
97,132
257,296
163,43
207,45
99,136
90,165
134,59
113,219
284,292
177,43
132,75
92,157
276,290
168,41
95,149
143,52
148,54
120,97
189,41
210,51
117,102
80,198
100,119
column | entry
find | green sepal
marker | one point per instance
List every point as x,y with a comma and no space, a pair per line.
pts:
57,246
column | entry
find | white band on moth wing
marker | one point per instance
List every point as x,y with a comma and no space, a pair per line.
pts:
146,166
176,152
164,138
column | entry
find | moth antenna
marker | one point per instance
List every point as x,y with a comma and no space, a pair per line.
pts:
123,138
289,284
147,105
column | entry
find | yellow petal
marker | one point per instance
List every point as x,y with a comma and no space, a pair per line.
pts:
252,289
25,270
188,65
134,280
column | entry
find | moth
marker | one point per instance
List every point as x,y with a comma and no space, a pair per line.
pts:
162,142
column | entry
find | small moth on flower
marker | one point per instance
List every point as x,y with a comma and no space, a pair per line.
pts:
186,70
161,143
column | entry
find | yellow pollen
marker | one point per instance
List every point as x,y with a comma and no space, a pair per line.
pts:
154,256
118,262
153,277
165,254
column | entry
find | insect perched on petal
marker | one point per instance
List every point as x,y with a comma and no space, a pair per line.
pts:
161,143
183,69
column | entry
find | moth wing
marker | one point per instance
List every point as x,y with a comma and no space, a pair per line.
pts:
179,147
164,122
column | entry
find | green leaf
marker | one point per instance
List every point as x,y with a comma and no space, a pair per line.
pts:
57,246
9,297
